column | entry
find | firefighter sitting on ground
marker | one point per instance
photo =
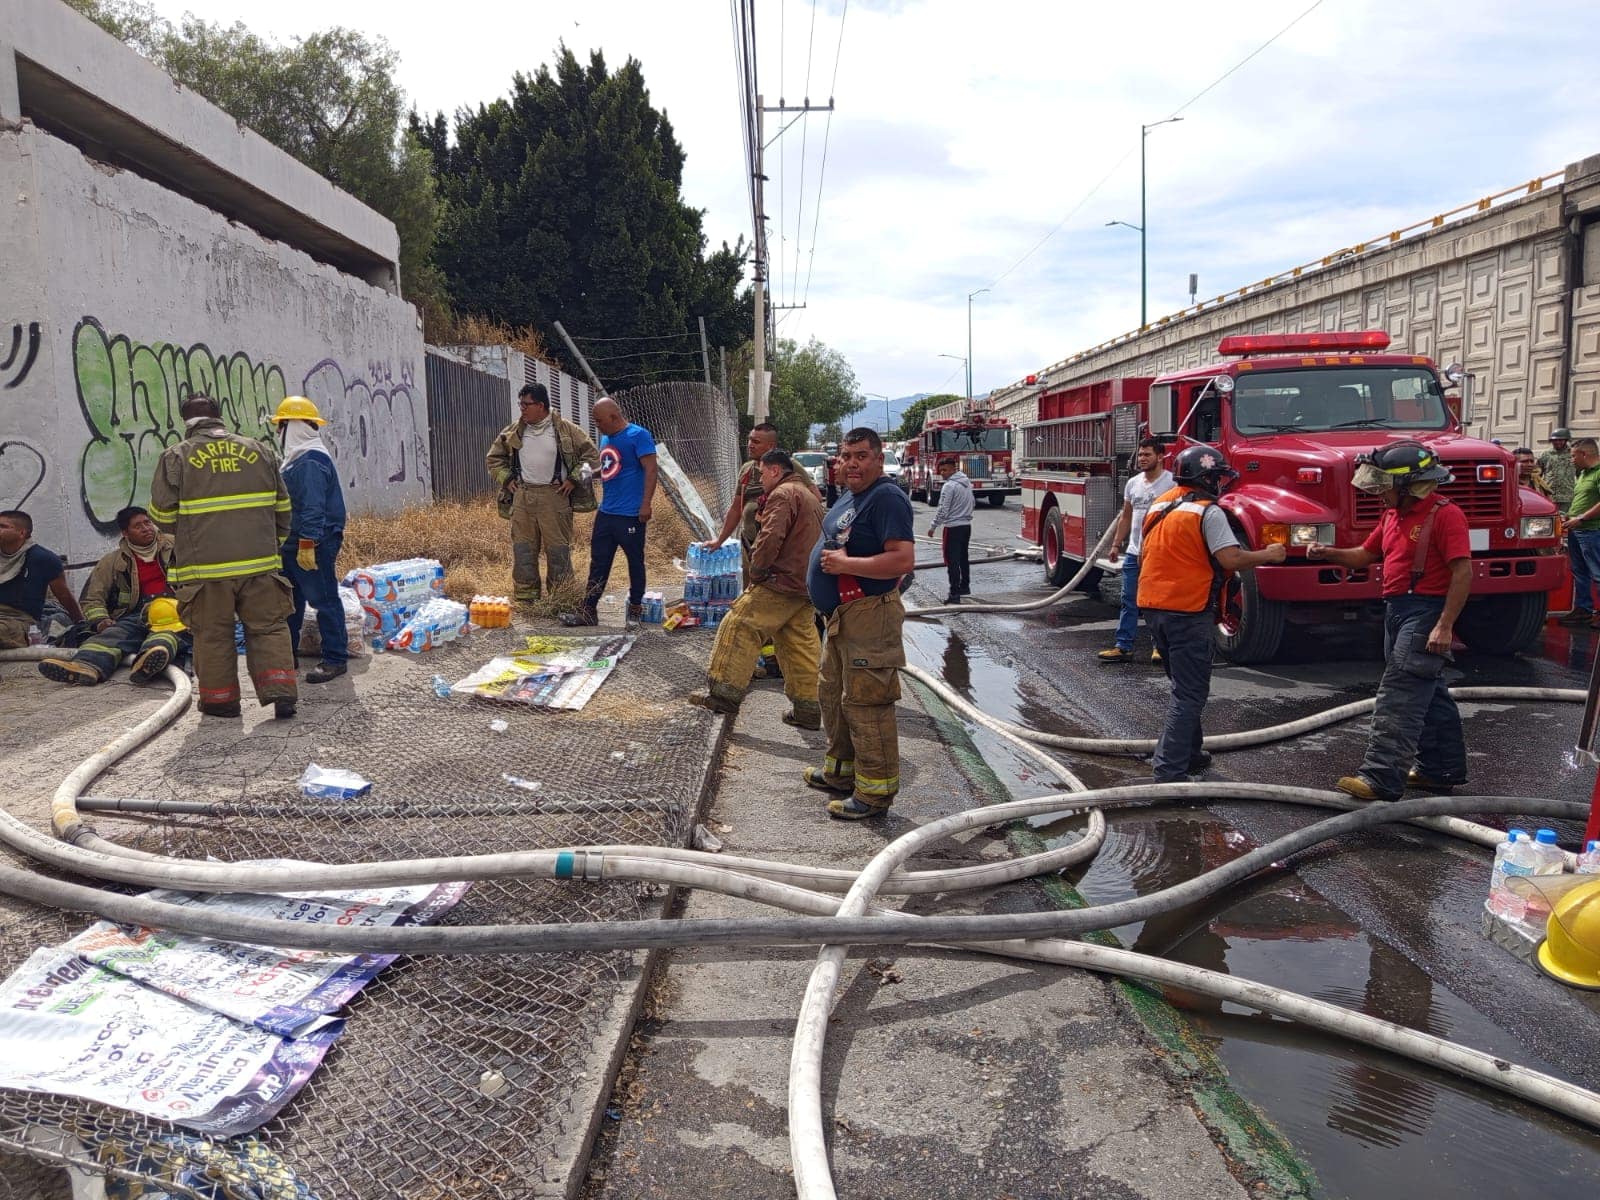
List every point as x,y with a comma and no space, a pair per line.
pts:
128,603
776,607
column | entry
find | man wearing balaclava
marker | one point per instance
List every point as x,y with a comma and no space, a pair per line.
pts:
316,531
1423,543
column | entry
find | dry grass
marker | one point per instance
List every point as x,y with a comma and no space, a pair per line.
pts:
474,543
473,330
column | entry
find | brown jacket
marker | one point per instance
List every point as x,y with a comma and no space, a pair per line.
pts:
573,446
748,486
791,524
221,495
113,587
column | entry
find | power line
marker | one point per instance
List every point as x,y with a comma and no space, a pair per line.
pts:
822,174
661,337
1089,195
805,132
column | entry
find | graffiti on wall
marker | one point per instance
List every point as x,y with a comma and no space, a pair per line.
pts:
22,470
130,393
13,371
372,414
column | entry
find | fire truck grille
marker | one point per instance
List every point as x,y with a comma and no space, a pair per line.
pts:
1483,503
976,466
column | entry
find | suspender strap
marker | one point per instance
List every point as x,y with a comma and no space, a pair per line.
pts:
1419,563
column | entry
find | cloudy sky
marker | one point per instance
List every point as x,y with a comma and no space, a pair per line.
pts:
987,145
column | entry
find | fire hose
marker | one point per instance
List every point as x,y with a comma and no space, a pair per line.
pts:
827,922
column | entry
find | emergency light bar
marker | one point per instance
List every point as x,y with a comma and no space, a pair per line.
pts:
1296,343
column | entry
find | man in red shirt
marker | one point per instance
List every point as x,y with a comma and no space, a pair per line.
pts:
1422,540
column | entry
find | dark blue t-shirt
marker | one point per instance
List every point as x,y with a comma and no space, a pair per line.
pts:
860,525
620,471
26,590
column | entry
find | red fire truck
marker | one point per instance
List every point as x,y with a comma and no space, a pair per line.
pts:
1292,412
973,434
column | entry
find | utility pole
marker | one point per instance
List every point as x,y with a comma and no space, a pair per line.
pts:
1144,285
705,353
758,400
970,295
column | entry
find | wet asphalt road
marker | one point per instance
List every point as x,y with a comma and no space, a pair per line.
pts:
1387,922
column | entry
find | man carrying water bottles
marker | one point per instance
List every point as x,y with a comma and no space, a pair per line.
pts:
776,607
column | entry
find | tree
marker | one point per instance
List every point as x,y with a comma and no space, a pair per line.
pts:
564,204
328,99
911,420
811,385
832,432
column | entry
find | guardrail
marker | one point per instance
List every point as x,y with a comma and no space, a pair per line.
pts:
1335,258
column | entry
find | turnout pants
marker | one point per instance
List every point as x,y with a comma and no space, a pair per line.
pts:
957,557
1184,640
263,604
859,683
541,522
14,627
320,589
760,615
126,637
1415,722
613,533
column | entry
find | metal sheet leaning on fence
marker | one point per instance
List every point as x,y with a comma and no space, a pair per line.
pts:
776,607
867,545
539,502
221,496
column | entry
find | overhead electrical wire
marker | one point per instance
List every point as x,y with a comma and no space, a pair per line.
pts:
822,173
1090,194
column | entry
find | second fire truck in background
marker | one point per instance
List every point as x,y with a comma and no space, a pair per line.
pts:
971,433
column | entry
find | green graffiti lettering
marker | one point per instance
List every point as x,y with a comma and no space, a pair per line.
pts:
130,393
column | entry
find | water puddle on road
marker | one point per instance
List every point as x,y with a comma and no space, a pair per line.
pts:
1369,1124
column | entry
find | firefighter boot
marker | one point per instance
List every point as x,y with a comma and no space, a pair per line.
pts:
66,670
1357,786
806,714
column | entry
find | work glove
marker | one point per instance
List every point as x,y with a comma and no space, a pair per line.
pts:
306,557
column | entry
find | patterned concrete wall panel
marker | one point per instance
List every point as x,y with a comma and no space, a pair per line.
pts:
1481,278
1398,323
1480,340
1548,326
1511,357
1507,411
1332,315
1544,387
1549,274
1424,296
1452,311
1421,341
1515,300
1372,309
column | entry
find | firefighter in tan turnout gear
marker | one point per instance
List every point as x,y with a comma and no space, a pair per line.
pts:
222,497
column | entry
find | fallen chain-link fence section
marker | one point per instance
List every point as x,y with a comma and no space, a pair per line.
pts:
397,1108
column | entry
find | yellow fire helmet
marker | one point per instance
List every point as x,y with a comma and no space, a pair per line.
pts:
162,616
1570,951
297,408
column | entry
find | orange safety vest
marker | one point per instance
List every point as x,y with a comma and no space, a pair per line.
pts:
1176,570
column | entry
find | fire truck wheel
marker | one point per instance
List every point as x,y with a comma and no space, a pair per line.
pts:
1249,626
1502,624
996,500
1057,566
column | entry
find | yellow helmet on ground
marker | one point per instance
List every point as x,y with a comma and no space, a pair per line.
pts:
297,408
162,616
1570,951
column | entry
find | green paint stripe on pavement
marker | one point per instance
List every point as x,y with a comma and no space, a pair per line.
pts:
1245,1135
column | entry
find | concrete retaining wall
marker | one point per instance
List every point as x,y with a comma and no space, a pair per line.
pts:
121,297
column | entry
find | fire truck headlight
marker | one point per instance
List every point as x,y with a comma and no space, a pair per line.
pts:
1304,535
1538,527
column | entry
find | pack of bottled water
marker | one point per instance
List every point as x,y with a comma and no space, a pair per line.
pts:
405,581
435,623
655,608
714,575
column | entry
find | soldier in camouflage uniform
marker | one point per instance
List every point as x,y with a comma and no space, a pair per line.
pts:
1555,464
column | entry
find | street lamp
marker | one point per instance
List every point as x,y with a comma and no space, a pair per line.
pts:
970,295
1144,286
885,399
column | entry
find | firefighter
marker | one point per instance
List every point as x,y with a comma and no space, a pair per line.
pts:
867,544
1188,545
776,607
119,607
542,464
316,533
748,492
222,497
1426,551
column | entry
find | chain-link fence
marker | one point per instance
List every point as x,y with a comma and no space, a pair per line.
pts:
699,425
396,1109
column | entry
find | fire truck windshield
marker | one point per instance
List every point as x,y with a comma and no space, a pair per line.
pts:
964,441
1320,399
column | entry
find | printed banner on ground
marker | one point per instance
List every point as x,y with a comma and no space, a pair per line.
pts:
553,672
288,992
73,1028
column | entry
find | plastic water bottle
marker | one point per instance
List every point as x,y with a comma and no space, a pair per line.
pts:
1589,860
1548,860
1514,856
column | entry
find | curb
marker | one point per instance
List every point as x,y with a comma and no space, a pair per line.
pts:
1252,1145
566,1171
